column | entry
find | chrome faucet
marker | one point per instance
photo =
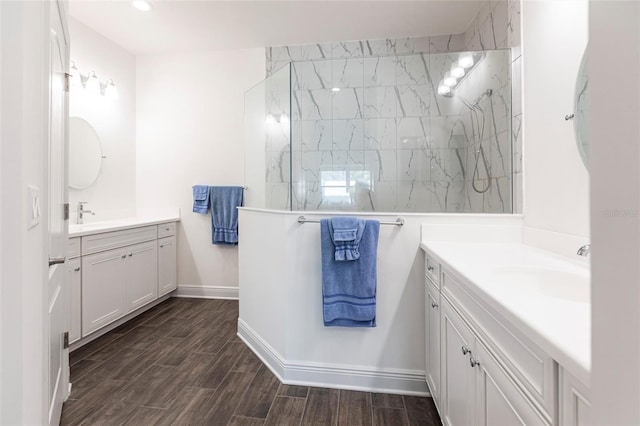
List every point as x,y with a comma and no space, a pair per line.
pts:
584,250
81,212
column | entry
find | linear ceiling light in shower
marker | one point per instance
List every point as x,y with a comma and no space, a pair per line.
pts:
459,71
466,60
444,90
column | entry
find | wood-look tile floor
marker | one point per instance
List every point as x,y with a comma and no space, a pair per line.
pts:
181,363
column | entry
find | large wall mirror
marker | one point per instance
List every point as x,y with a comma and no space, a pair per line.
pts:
581,109
85,154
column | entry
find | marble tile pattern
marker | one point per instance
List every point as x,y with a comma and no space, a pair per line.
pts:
389,137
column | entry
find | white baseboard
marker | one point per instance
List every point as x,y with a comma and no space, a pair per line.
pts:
361,378
207,292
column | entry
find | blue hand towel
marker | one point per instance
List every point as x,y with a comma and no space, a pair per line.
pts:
349,288
225,201
200,199
346,233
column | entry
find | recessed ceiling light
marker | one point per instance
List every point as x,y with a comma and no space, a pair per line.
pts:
143,5
335,89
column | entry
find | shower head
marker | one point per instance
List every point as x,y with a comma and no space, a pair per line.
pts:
476,101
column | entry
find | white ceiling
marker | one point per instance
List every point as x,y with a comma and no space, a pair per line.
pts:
182,25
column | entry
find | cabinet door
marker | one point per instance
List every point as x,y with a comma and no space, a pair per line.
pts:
75,299
432,351
103,289
499,399
458,385
167,279
141,275
575,409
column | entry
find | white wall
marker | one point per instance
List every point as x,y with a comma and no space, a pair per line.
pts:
614,84
190,130
556,183
281,299
114,193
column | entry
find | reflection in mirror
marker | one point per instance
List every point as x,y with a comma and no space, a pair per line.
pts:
582,111
85,154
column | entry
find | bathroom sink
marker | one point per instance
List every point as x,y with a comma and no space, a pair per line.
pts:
92,226
570,285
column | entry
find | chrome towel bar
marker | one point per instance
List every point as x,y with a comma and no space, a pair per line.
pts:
399,221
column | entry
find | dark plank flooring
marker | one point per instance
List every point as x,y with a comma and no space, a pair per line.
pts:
181,363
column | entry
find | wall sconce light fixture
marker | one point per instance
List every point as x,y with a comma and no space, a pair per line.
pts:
275,118
92,83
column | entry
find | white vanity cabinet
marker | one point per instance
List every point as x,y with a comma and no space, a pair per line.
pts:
432,338
458,378
167,255
115,273
74,273
575,408
103,289
476,389
486,373
141,276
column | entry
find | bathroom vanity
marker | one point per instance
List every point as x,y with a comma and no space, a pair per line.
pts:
507,334
117,270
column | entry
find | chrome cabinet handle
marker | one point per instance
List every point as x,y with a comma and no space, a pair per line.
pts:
474,362
77,269
56,260
124,256
130,254
434,305
167,229
430,268
465,350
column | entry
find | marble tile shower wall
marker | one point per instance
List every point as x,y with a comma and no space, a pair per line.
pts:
404,147
497,26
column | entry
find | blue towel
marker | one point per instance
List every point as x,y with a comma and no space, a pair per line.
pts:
346,233
200,199
349,288
225,201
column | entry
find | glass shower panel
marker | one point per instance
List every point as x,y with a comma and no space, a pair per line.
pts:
267,125
374,134
470,143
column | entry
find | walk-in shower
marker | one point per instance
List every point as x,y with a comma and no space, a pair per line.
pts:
401,133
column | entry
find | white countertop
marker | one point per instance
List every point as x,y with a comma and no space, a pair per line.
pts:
559,325
119,224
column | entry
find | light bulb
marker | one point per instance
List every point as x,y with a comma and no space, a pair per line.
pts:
270,119
456,71
335,89
142,5
444,90
110,91
92,84
466,61
449,80
284,118
75,75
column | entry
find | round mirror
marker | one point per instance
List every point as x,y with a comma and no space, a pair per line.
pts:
581,109
85,154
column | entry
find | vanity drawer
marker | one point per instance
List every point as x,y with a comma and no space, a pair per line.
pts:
432,269
73,247
527,363
109,240
166,229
